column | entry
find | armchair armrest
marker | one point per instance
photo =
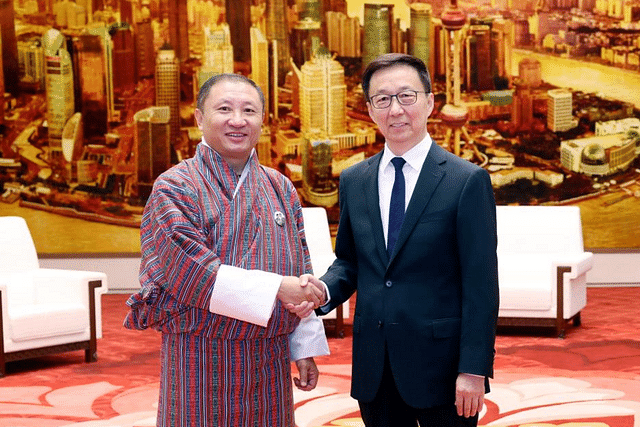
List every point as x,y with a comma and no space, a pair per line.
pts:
62,285
579,263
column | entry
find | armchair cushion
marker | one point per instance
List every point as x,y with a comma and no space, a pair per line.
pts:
47,320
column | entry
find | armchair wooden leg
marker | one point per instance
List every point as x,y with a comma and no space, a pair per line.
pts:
577,320
91,354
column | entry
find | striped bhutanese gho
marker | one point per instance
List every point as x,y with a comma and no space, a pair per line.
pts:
216,370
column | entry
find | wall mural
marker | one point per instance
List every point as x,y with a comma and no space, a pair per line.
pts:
99,100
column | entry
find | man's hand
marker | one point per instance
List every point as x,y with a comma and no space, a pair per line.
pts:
292,293
305,308
308,374
469,394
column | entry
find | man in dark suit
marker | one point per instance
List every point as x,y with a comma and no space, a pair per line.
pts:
425,272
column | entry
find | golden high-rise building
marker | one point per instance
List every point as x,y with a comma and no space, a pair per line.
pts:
217,57
59,88
343,35
323,96
420,33
378,31
168,88
260,65
277,26
31,60
218,50
559,110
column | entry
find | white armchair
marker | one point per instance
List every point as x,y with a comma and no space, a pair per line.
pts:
44,311
318,236
542,266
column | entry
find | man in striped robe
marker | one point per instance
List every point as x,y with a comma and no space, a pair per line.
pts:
223,245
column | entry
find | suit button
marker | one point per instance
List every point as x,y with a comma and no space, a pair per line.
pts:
388,283
379,323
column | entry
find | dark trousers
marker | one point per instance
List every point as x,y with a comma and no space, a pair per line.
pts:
389,410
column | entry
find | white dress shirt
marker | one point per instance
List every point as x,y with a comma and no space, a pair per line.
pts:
414,158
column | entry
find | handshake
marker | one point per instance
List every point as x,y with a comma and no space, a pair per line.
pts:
301,295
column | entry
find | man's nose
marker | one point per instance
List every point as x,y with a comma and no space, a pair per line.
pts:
237,118
395,106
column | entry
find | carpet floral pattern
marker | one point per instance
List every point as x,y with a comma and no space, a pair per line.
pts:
589,379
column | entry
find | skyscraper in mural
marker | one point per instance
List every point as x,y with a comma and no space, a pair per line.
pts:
378,31
277,25
323,96
59,88
145,53
178,28
89,66
478,47
9,49
419,33
323,102
125,79
152,146
260,66
31,61
238,18
343,34
217,56
559,110
168,88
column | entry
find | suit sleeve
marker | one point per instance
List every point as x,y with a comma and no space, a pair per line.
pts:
477,244
341,276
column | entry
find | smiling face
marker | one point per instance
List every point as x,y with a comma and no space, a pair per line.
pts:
231,120
403,126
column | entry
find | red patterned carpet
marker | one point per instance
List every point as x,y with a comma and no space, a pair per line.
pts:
589,379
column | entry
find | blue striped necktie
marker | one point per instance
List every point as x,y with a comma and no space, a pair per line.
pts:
396,207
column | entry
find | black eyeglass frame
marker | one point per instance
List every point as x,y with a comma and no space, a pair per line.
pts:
396,96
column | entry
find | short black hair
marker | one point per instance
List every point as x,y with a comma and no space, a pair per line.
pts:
206,87
391,59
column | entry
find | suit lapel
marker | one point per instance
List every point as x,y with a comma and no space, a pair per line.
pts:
428,180
370,191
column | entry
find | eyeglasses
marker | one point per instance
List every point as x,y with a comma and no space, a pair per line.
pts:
406,97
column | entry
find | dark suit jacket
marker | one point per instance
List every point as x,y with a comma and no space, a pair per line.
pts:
434,304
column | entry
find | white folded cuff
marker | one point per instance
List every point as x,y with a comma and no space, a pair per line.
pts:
308,339
247,295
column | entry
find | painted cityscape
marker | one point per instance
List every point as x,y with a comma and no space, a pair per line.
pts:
99,97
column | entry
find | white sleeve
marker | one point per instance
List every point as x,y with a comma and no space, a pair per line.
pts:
247,295
308,339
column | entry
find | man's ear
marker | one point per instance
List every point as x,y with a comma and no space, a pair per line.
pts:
430,103
370,110
198,115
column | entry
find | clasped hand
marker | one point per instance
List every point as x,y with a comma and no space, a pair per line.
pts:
301,295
